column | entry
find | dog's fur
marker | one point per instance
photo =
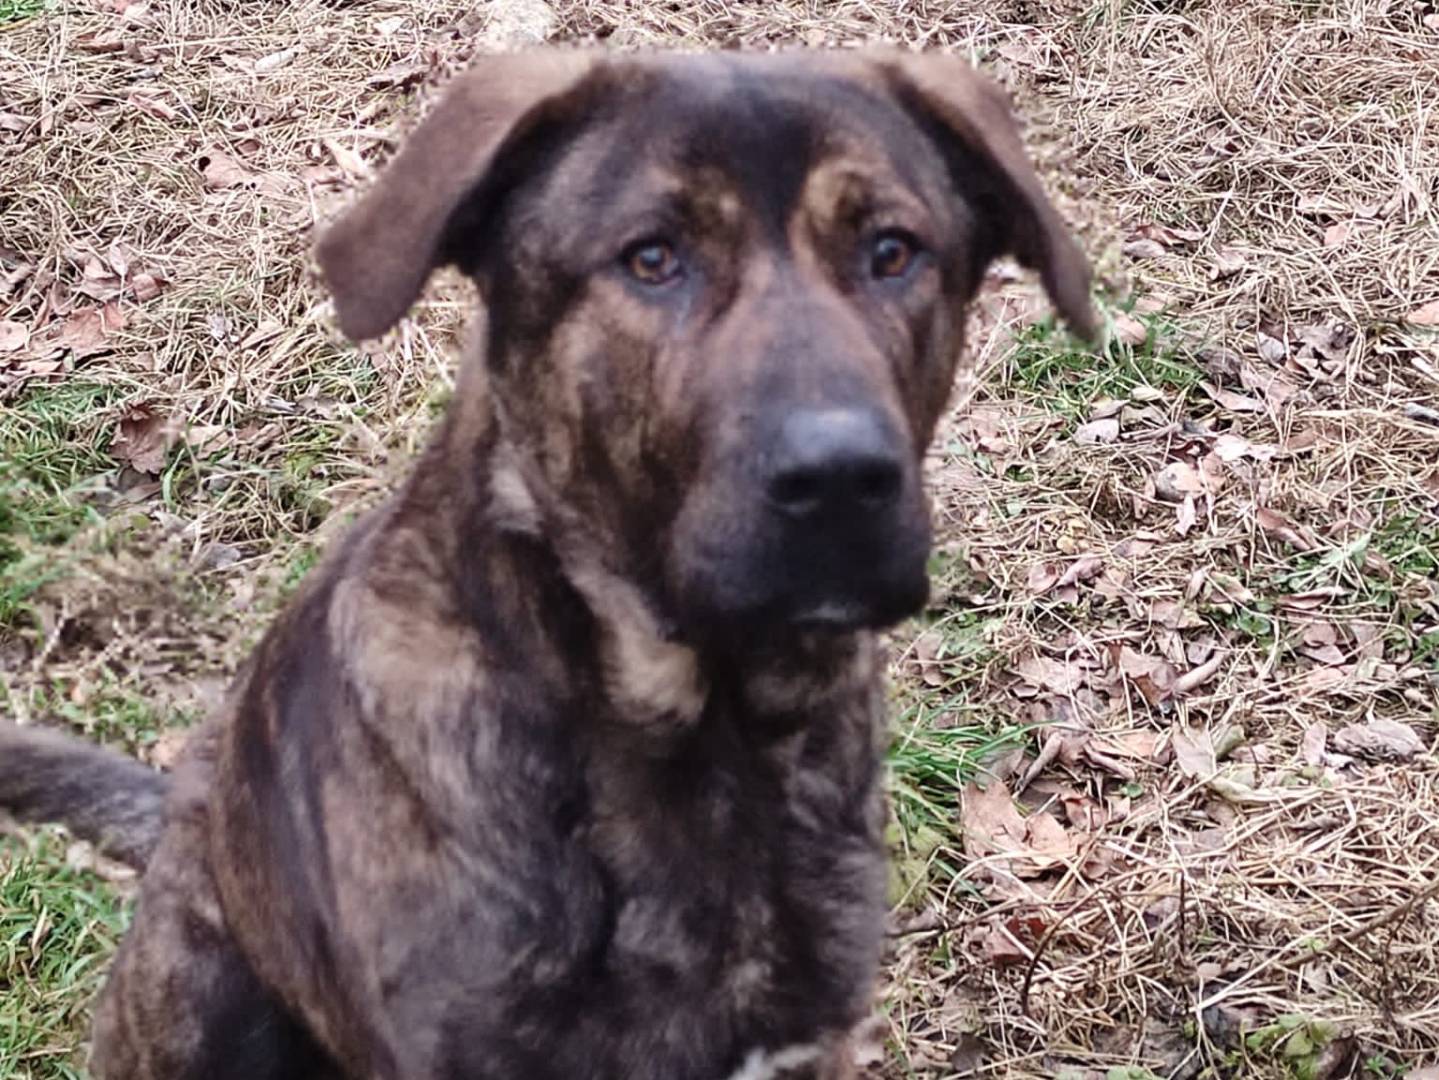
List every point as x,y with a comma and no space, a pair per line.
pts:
567,763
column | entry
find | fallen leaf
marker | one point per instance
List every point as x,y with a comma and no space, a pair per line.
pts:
14,336
1193,752
276,60
1227,263
1230,447
1279,527
1325,654
1231,400
347,159
1176,480
1130,330
1337,233
1042,577
1096,431
147,286
1271,348
991,823
152,107
1425,315
143,439
1048,838
1143,249
1082,569
222,171
1313,744
87,330
1051,675
1379,739
1185,516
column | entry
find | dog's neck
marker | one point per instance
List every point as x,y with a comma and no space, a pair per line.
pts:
654,681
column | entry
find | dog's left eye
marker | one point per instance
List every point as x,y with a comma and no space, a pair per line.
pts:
892,254
652,262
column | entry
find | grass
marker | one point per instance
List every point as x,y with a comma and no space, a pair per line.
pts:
58,927
12,11
1280,151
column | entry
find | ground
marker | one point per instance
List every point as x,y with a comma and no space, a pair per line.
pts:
1166,789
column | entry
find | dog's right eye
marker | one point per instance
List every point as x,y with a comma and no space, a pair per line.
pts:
652,262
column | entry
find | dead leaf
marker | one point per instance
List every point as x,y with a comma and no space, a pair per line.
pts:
1379,739
1082,569
1234,402
1186,516
347,159
1042,577
1279,527
1047,837
222,171
1176,480
1051,675
146,286
1337,233
991,823
1425,315
14,336
1227,263
1325,654
152,107
1130,330
276,60
1312,746
143,439
1143,248
1097,431
1230,447
1193,752
87,330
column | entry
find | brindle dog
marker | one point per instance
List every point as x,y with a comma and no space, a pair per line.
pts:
567,763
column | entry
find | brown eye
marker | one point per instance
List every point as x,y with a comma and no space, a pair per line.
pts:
892,255
652,262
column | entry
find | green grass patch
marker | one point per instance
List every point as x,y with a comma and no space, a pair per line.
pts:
58,927
13,11
52,448
1070,377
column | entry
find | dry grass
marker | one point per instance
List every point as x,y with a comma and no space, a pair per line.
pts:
1251,531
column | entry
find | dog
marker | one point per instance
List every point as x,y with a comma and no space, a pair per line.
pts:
568,760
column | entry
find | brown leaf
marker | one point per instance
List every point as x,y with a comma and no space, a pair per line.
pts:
1050,675
1337,233
1325,654
1234,402
152,107
143,439
1312,746
14,336
222,171
1002,950
991,823
1143,248
87,330
1176,480
1231,447
1130,330
146,286
1097,431
1227,263
1279,527
1196,677
1042,577
1048,838
1082,569
1379,740
347,159
1193,752
1185,516
1424,315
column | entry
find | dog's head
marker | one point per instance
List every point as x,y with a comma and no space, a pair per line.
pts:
725,298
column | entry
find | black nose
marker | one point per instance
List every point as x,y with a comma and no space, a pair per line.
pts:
828,460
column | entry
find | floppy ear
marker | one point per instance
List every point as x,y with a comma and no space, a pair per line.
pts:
377,257
975,113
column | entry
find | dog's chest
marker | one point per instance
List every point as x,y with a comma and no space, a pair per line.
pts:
743,897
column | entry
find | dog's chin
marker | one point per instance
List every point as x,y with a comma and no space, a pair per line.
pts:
775,619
